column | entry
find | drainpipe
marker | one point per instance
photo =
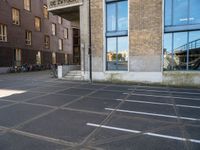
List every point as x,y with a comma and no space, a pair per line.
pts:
90,41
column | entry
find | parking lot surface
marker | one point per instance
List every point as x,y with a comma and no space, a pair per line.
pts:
38,112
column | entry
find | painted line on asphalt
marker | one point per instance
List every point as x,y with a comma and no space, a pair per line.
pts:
152,114
145,133
157,103
162,91
163,96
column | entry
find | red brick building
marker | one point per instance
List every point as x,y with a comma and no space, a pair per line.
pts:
31,35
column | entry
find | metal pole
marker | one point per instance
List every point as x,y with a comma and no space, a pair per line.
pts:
90,42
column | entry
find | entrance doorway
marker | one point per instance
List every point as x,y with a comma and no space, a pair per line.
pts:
76,46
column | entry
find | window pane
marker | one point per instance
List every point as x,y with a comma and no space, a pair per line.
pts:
122,55
194,11
167,52
168,12
111,17
194,50
180,12
122,19
180,51
111,53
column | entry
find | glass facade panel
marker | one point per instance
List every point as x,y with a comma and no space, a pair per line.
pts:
180,50
122,55
180,12
111,17
117,45
111,53
194,50
122,19
168,12
194,11
167,52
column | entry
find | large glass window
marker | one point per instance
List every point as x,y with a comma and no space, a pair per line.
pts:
117,35
194,15
182,35
182,12
180,50
194,50
167,52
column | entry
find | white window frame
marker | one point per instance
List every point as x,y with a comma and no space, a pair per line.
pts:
59,20
27,5
18,57
3,33
38,24
66,33
53,28
60,44
46,42
45,12
28,38
15,16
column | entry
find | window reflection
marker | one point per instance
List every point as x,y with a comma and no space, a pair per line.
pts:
122,16
122,53
180,12
194,50
111,53
111,17
168,12
117,53
194,11
167,52
180,50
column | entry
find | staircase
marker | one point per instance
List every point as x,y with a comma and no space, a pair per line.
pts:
74,75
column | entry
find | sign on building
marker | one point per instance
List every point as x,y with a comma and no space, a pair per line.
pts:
60,4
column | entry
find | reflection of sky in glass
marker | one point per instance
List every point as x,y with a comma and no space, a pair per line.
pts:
111,17
122,15
168,12
122,44
194,11
180,39
111,45
168,42
195,35
180,12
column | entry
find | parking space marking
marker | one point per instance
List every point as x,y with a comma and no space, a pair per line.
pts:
157,103
145,133
162,91
148,95
152,114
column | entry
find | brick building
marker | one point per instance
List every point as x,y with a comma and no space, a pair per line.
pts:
137,40
29,34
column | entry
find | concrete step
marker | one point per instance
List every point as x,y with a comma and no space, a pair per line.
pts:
75,73
73,77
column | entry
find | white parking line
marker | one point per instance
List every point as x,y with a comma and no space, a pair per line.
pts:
162,96
145,133
157,91
157,103
152,114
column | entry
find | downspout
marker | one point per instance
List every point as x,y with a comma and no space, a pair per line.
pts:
90,42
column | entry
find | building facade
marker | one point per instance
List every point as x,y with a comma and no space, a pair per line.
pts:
137,41
29,34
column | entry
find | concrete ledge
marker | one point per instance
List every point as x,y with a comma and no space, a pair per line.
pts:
181,78
145,77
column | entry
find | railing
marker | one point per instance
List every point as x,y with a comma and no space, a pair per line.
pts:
191,45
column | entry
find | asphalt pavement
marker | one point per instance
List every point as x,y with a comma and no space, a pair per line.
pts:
38,112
